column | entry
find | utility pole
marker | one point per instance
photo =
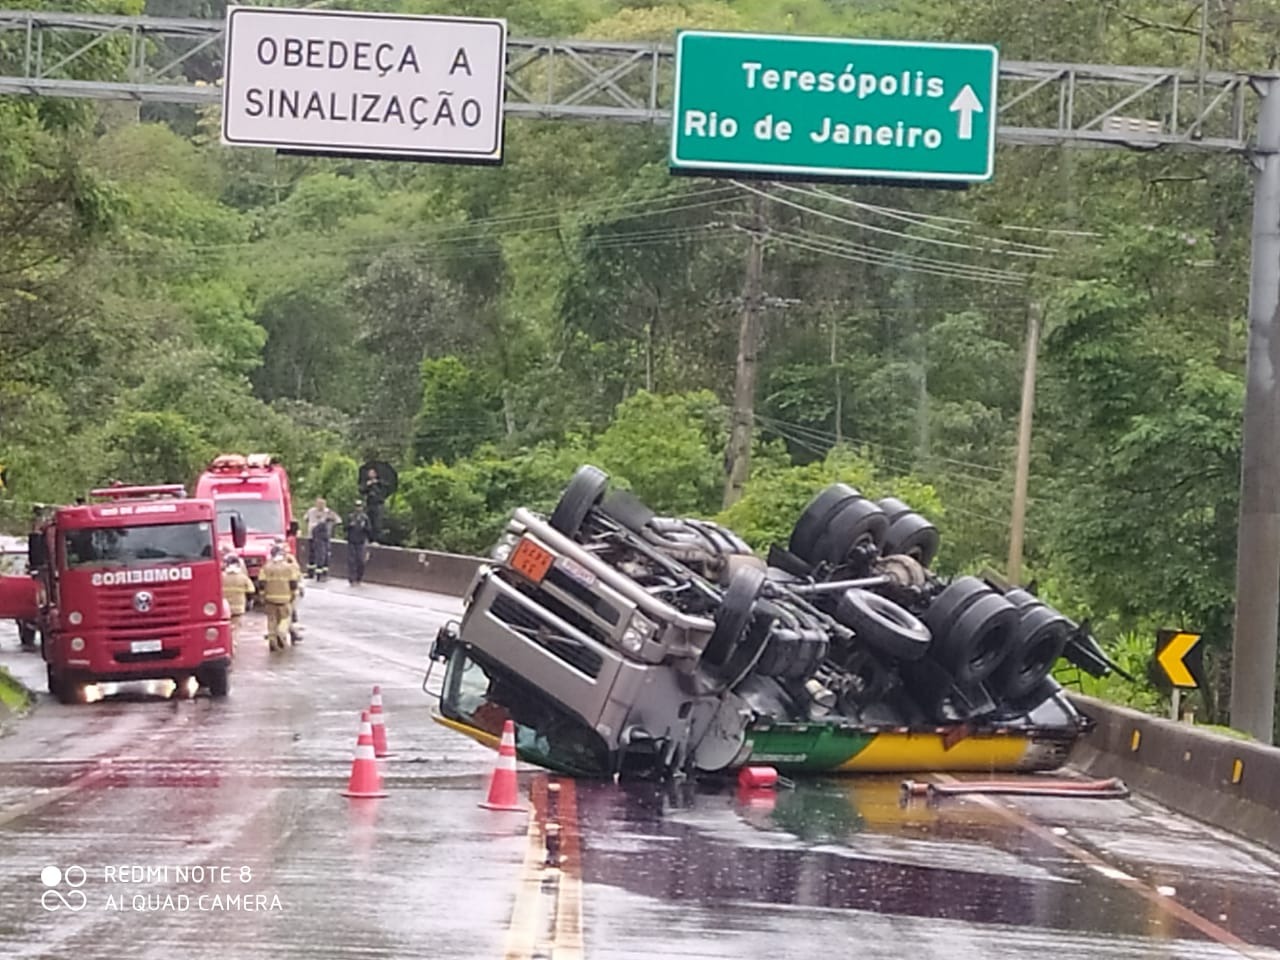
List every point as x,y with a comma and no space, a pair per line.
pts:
738,454
1253,665
1018,520
839,397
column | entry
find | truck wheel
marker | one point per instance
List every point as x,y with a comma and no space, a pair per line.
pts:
733,616
958,595
584,491
1041,637
218,680
979,639
883,625
62,686
814,518
913,535
856,523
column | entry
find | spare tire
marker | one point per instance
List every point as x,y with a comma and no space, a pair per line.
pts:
733,616
914,536
814,518
981,637
1041,637
858,522
883,625
585,490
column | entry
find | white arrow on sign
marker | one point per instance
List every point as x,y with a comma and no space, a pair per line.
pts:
966,104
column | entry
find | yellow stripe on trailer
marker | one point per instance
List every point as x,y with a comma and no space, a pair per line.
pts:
482,737
924,752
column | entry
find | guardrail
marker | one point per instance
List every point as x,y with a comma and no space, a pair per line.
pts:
1229,783
448,573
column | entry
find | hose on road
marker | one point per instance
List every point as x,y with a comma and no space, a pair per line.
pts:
1111,789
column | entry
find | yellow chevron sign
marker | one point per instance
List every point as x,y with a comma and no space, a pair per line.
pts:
1172,658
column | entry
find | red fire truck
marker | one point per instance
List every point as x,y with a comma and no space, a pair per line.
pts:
130,588
256,489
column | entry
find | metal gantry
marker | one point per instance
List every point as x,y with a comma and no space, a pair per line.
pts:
166,60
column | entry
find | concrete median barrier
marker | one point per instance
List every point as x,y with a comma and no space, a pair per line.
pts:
448,573
1229,783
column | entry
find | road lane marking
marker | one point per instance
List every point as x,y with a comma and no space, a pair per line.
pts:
1090,859
522,935
546,918
567,944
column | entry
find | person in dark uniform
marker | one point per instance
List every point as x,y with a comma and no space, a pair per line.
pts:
358,537
375,495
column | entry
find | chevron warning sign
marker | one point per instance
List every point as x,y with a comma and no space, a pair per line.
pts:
1180,658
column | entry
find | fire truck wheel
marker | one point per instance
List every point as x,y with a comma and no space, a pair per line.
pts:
883,625
64,687
584,491
218,680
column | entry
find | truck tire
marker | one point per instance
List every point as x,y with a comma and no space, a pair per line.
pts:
62,686
913,535
981,637
733,616
218,680
883,625
858,522
958,595
814,518
585,490
1041,637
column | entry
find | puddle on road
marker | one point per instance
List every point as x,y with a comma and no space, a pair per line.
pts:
850,845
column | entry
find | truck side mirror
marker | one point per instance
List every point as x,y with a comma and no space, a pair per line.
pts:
293,528
37,553
238,532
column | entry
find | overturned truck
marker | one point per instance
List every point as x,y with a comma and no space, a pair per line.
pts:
625,643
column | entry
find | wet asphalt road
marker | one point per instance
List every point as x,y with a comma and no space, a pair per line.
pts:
248,789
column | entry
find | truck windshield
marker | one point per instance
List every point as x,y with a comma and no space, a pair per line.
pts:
134,546
260,516
484,695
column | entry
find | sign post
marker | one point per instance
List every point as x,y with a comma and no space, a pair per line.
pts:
365,85
825,107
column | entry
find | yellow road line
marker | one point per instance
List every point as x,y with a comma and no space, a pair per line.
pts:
523,933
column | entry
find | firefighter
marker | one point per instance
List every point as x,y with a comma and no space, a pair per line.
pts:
320,521
279,586
358,536
295,632
236,587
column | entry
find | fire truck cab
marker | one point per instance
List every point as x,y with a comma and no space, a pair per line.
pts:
129,587
255,488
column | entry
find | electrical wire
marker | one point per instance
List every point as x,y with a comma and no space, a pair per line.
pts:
857,258
893,258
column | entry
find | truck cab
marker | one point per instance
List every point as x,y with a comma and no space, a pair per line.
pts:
256,489
129,587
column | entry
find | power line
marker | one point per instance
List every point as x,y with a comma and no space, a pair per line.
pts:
895,258
856,258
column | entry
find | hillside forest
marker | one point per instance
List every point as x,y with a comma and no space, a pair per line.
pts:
487,329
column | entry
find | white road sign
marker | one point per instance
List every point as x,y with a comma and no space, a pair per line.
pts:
365,84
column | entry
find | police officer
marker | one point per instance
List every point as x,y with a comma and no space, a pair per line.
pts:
375,495
358,537
279,584
237,586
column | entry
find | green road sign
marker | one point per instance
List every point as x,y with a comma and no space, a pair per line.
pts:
829,107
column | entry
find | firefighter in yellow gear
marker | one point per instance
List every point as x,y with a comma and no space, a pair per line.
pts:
237,586
295,633
279,584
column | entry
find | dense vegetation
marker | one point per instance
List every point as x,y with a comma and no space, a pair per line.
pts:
163,298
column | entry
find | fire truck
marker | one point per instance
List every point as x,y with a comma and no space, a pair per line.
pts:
254,488
129,587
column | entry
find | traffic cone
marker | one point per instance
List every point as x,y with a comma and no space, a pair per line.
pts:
379,727
365,782
504,792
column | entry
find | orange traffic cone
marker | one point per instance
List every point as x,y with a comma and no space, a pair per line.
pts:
504,792
365,782
379,727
